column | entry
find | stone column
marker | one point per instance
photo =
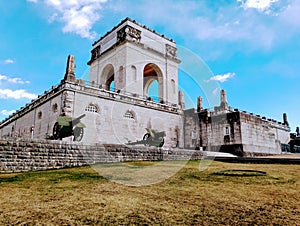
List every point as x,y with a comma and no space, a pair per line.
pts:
70,69
199,104
223,97
223,104
181,99
285,121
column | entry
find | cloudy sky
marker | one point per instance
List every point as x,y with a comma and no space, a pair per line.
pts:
252,47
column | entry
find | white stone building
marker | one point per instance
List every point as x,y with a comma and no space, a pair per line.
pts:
115,105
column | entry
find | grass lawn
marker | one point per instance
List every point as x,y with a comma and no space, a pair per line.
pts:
215,196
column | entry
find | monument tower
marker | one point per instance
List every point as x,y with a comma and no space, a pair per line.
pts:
131,56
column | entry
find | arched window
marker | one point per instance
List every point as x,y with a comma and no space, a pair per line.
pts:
92,108
54,107
129,114
133,72
40,115
173,86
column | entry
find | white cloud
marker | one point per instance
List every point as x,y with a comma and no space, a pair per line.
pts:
16,94
221,78
13,80
78,15
9,61
291,16
6,112
193,18
261,5
209,21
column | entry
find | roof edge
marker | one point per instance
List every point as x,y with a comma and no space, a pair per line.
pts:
133,21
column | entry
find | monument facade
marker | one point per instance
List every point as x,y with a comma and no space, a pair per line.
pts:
116,105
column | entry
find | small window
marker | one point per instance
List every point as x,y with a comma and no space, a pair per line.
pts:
173,85
121,71
54,107
129,114
133,69
92,108
227,131
40,115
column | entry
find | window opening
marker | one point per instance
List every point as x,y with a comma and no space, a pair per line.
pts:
54,107
129,114
91,108
40,115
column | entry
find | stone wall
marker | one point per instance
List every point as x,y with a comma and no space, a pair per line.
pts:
259,136
41,114
109,123
112,124
27,155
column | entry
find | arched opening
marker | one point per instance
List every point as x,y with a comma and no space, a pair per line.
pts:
92,108
108,78
54,107
111,86
40,115
153,83
153,91
129,114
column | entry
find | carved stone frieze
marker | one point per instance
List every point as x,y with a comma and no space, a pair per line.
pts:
67,103
171,51
129,33
95,53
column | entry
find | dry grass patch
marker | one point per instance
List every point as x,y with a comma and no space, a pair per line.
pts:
81,196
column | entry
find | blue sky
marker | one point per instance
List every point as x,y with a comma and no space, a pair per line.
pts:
252,47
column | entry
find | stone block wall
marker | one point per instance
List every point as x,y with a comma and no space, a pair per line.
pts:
29,155
258,136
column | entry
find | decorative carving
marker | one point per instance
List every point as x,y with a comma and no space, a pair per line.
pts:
133,33
121,35
67,103
129,33
95,53
171,51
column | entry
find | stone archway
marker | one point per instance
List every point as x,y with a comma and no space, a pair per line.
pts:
151,74
108,77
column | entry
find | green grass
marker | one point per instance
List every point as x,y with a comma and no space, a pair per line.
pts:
81,196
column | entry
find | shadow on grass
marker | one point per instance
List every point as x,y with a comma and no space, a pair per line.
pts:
241,173
54,176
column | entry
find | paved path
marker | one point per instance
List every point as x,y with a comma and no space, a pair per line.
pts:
283,156
218,154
